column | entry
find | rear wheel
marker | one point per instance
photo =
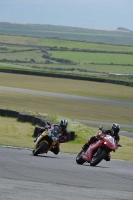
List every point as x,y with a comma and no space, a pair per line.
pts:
40,148
97,157
79,158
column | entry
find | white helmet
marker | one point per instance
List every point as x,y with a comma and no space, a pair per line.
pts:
63,123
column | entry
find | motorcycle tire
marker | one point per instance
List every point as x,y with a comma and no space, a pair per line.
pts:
79,158
40,148
97,157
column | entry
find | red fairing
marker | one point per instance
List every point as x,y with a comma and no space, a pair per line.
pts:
102,142
88,154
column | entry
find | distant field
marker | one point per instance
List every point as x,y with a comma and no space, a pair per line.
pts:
69,33
24,53
9,49
79,69
78,57
100,58
18,39
63,43
23,56
83,45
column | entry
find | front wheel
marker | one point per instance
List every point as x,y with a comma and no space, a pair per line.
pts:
79,158
40,148
97,157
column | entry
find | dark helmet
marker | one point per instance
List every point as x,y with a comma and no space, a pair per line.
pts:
63,123
115,128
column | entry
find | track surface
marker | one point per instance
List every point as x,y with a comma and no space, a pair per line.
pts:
67,96
50,177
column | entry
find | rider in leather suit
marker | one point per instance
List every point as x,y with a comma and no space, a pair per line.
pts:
62,128
114,132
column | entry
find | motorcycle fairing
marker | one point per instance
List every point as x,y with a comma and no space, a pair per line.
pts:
88,154
110,142
43,137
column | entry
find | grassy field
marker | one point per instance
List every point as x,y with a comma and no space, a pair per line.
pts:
83,45
68,86
81,58
23,56
19,39
101,58
67,108
11,48
115,59
62,43
73,109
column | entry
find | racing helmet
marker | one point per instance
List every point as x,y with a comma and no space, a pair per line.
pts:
63,123
115,128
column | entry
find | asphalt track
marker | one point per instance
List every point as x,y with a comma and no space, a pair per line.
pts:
67,96
27,177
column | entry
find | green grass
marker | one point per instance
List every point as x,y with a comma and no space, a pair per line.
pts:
83,45
68,108
13,133
86,68
62,43
94,64
8,48
102,58
18,39
21,134
68,86
23,56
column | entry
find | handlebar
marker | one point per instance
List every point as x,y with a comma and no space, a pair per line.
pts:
102,129
100,136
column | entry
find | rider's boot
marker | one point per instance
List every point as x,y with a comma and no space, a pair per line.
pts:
55,150
108,157
86,146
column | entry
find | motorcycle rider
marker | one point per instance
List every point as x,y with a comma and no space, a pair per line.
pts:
114,132
61,128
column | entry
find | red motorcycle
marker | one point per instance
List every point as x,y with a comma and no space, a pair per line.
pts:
98,150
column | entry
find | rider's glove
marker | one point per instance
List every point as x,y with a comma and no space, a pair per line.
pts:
86,146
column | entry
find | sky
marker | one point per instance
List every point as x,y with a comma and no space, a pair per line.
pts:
96,14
